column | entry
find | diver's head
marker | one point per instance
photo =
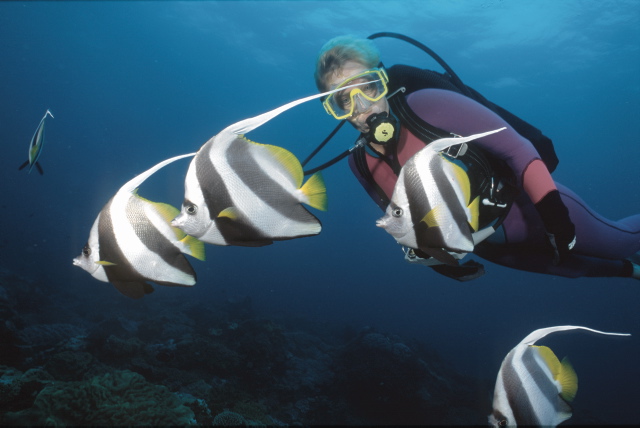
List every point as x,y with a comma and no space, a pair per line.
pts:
347,60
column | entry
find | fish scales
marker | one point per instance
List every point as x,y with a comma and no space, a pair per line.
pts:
520,403
219,193
145,222
533,386
442,227
110,251
429,187
217,197
131,242
543,392
272,184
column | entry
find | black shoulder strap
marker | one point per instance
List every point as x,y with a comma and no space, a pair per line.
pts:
413,79
360,160
414,123
474,157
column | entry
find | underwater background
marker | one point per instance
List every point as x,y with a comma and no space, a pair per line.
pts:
335,328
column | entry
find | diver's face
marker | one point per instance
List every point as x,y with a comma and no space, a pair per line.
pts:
360,115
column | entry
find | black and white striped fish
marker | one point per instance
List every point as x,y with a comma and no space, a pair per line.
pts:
431,207
239,192
533,387
132,242
36,145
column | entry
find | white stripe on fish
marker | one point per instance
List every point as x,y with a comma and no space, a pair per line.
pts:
533,387
131,242
239,192
431,207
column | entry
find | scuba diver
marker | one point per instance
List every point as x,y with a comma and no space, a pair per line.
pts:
535,224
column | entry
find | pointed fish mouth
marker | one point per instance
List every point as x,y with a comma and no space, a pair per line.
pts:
178,221
182,222
391,226
76,262
382,222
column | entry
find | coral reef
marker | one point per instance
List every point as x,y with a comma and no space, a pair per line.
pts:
118,398
163,362
229,419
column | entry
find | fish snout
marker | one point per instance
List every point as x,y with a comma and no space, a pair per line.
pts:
178,221
383,222
186,223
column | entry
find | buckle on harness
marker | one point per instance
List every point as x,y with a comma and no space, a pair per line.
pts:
492,200
455,151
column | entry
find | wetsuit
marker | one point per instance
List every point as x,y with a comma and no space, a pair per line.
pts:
521,242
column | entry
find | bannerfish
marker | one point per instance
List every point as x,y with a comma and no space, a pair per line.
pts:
533,387
239,192
431,207
132,242
35,147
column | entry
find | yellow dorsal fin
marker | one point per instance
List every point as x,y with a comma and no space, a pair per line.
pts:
568,380
549,358
316,192
104,263
286,159
474,209
167,212
463,181
431,218
230,213
195,246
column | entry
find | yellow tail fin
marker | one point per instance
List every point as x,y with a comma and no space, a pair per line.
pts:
568,380
195,246
316,192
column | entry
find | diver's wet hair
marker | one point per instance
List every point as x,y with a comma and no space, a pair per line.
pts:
341,49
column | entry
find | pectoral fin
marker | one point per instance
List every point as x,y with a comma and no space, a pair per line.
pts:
231,213
441,255
133,289
431,218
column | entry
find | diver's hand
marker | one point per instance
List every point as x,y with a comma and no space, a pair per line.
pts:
561,248
560,230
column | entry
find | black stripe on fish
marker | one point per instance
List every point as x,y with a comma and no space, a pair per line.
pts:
433,237
448,191
217,197
416,193
121,270
519,401
263,185
154,240
548,389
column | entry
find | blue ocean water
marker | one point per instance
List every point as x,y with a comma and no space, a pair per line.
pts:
133,83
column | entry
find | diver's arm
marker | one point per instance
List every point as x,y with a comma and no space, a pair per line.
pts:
463,116
560,229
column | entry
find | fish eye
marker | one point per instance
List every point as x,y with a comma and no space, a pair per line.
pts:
191,209
86,251
397,212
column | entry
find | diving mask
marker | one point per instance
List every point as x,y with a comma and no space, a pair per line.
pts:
372,88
